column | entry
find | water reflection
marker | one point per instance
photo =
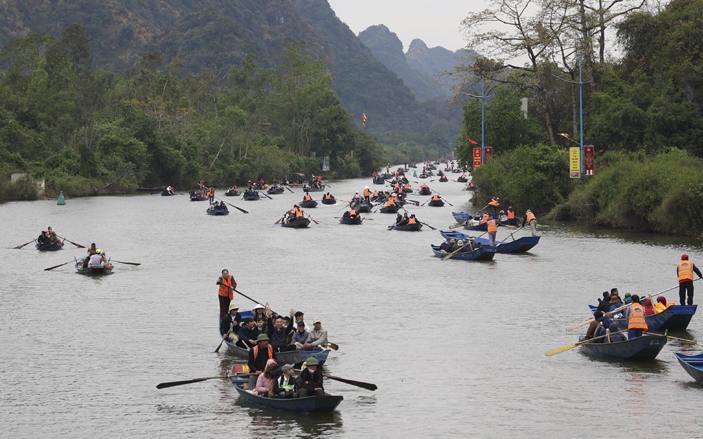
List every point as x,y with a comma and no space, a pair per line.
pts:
268,422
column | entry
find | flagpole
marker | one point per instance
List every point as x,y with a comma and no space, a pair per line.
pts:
483,120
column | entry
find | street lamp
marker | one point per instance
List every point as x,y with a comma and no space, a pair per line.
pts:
580,83
483,118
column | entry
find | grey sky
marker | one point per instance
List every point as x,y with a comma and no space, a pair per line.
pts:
437,23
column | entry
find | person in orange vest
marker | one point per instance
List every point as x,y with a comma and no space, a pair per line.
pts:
436,197
636,324
367,194
328,196
510,216
226,292
412,219
494,203
685,270
492,229
390,202
211,194
307,197
296,211
353,214
260,354
530,219
484,218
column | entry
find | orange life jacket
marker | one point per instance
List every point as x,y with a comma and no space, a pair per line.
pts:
491,225
352,213
685,271
328,197
530,216
226,289
636,320
375,193
256,351
307,197
412,220
494,202
511,214
435,197
367,193
484,218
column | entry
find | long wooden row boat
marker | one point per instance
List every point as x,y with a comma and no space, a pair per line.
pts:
351,221
693,364
478,254
407,227
310,204
674,318
251,196
308,404
436,203
296,223
519,245
296,357
646,347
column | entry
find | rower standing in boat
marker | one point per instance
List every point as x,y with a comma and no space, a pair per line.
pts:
492,229
225,293
530,219
685,270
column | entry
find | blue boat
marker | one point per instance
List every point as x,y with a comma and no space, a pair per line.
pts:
217,210
646,347
306,404
693,364
520,245
103,270
351,221
250,195
674,318
296,223
296,357
364,207
478,254
436,203
198,196
309,204
49,247
390,209
462,217
379,180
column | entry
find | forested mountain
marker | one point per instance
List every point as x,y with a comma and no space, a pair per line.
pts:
212,35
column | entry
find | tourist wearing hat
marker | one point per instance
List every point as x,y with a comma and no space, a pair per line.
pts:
259,312
260,354
284,386
310,380
685,271
530,219
225,293
230,323
247,334
318,336
300,336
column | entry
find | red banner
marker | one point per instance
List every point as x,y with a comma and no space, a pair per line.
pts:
477,157
589,160
489,153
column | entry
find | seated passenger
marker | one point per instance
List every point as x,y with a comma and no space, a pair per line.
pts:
284,386
300,336
662,304
97,260
264,383
41,240
648,309
310,380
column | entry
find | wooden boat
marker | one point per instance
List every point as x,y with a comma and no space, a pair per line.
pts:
296,357
307,404
351,221
443,179
275,189
436,203
49,247
674,318
478,254
520,245
94,271
308,204
251,196
231,192
425,191
423,175
462,179
390,209
693,364
379,180
198,196
165,193
332,200
462,217
296,223
408,227
307,188
217,210
364,207
646,347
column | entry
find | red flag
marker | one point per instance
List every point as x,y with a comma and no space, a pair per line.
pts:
472,141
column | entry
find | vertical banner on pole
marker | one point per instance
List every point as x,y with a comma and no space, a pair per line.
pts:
589,163
325,164
489,153
575,162
477,158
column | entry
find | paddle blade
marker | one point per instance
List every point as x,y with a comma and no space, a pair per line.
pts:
561,349
181,383
334,346
129,263
57,266
20,246
368,386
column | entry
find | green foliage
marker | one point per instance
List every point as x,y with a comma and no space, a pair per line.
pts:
535,178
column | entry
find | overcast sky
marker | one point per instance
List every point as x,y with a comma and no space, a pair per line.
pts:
437,23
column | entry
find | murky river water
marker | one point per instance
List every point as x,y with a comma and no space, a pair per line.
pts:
456,348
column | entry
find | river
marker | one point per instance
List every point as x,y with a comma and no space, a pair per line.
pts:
456,348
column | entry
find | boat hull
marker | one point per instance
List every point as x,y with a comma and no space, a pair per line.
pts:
298,223
350,221
218,211
390,209
479,254
674,318
296,357
520,245
308,204
307,404
693,364
409,227
94,271
329,201
436,203
646,347
49,247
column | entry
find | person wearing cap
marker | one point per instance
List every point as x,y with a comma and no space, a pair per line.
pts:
247,334
310,380
300,336
284,386
318,336
225,293
260,354
530,219
662,304
230,323
685,270
636,323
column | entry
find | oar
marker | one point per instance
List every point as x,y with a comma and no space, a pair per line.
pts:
181,383
571,346
677,338
368,386
290,190
620,309
457,250
77,245
413,202
313,220
264,194
445,200
334,346
281,219
456,226
57,266
20,246
238,208
425,224
129,263
223,340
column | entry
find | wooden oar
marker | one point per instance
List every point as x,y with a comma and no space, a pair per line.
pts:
290,190
677,338
129,263
313,219
619,309
368,386
20,246
223,340
456,226
457,250
413,202
425,224
181,383
77,245
571,346
334,346
281,219
238,208
57,266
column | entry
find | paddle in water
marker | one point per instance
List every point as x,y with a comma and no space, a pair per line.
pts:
128,263
181,383
238,208
77,245
57,266
20,246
